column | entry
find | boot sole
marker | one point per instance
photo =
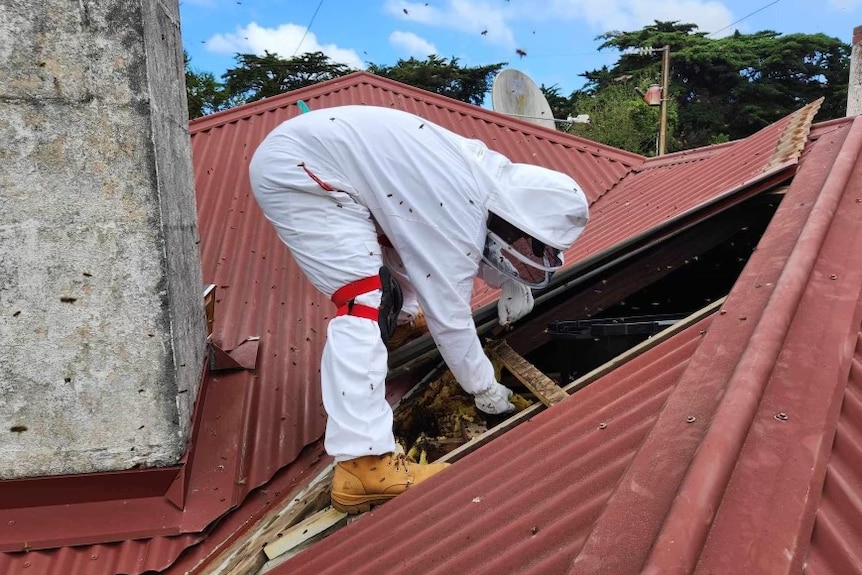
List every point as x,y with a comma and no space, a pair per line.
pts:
353,505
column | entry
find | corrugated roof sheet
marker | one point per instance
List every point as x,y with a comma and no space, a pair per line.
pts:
732,448
524,503
661,191
276,410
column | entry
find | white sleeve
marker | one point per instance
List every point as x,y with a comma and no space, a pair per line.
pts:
443,279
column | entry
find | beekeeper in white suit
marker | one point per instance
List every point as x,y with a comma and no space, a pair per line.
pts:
337,183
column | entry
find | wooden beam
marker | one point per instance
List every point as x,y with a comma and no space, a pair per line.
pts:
540,384
304,531
246,556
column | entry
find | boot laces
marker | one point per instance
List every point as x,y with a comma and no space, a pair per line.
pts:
399,460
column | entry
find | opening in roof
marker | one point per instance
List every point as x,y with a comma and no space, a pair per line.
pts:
664,285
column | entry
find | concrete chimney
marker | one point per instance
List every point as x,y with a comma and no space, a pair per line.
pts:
854,89
101,314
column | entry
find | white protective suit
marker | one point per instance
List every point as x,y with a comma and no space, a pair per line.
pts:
429,191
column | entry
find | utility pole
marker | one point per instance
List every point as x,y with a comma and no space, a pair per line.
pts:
665,85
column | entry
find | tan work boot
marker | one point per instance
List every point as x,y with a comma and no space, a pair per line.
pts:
407,331
360,483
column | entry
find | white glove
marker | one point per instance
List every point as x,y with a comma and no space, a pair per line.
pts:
495,400
516,301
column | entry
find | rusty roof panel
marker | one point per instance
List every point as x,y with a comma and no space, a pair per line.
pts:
133,556
728,466
835,545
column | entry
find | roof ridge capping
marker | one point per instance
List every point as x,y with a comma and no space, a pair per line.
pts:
792,141
287,99
788,148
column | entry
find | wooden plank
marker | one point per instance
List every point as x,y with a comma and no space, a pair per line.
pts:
540,384
246,555
305,530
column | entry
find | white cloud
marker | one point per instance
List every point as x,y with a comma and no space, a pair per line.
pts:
412,44
468,16
282,40
628,15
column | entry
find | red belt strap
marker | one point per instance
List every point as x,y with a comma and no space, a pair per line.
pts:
317,180
384,241
344,296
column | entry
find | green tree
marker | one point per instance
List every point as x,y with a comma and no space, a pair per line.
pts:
257,77
731,87
204,93
561,107
620,118
442,76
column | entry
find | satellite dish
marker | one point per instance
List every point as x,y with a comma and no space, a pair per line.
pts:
515,94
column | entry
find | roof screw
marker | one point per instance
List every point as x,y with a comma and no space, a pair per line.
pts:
11,523
603,425
781,416
26,563
690,419
833,277
94,557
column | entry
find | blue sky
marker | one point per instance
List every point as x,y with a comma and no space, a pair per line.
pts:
558,36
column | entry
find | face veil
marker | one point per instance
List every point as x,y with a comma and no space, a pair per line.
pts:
518,255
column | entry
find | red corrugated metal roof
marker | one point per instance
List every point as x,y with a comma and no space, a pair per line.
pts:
732,448
275,410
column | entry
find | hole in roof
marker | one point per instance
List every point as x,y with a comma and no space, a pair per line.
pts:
664,284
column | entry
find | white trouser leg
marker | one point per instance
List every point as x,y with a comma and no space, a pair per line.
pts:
353,375
334,241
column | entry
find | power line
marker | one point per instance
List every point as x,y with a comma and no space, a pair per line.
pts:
307,28
744,18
